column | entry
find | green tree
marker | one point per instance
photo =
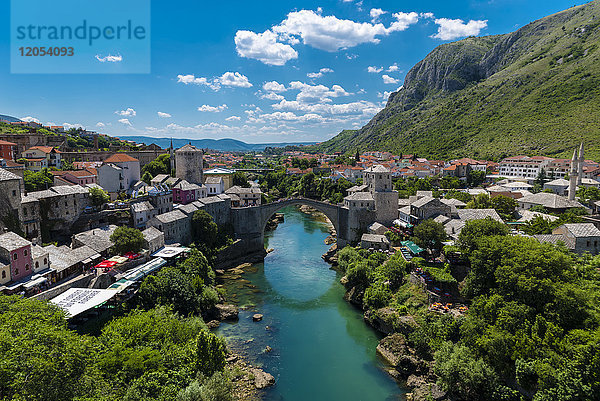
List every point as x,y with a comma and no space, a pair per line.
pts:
147,177
475,178
308,186
481,201
98,196
239,178
210,353
37,181
170,286
430,234
127,239
505,206
160,165
204,229
474,230
196,265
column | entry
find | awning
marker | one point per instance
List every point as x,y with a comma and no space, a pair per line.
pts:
105,264
401,223
412,247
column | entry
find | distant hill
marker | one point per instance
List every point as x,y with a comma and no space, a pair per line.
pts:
231,145
9,119
534,91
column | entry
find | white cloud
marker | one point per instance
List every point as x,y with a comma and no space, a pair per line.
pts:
316,93
376,13
426,15
450,29
69,125
361,107
263,47
374,70
129,112
286,116
30,119
233,118
389,80
190,79
109,58
319,74
125,121
234,79
274,86
403,21
393,68
272,96
163,115
212,109
100,124
329,33
229,78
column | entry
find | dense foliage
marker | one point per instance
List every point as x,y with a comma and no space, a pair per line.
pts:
532,331
98,196
37,181
160,165
127,239
281,185
144,355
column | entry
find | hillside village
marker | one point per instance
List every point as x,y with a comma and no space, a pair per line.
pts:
58,233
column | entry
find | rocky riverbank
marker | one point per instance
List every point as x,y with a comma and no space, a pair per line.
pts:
248,380
319,216
405,364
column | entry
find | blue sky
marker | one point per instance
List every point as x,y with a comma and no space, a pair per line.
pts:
260,71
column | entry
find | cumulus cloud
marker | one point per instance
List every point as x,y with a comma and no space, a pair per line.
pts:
30,119
286,116
274,86
212,109
128,112
320,73
263,47
125,121
100,124
361,107
328,33
234,79
233,118
163,115
272,96
316,93
374,70
230,79
393,68
389,80
376,13
109,58
69,125
450,29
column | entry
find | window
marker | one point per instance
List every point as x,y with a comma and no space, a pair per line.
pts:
27,267
3,274
45,261
25,211
15,256
16,272
14,192
37,265
24,252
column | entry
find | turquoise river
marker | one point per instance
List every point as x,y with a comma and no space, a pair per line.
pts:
321,348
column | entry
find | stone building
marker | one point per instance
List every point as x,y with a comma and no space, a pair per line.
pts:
175,225
379,181
242,197
578,237
15,252
189,162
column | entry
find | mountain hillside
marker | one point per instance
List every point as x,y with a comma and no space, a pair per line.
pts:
225,145
533,91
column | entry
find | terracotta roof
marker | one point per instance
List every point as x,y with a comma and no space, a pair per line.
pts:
80,173
120,158
7,143
45,149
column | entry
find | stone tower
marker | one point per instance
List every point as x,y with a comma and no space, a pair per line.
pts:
580,166
189,161
573,176
379,181
171,158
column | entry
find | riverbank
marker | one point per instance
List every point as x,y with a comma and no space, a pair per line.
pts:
305,322
405,364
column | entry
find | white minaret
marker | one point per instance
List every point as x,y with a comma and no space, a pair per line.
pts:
580,166
573,175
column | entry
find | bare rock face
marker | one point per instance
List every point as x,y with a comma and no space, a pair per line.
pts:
355,296
262,379
396,352
226,312
387,321
427,392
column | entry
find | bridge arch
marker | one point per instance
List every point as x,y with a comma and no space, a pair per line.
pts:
330,211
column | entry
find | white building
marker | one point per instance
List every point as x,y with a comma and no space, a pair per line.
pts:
523,166
215,185
118,173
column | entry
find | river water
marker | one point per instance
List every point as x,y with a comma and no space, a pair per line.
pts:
321,348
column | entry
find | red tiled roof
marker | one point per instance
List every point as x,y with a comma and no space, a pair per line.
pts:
120,158
7,143
45,149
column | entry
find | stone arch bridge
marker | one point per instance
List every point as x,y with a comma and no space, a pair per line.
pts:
249,223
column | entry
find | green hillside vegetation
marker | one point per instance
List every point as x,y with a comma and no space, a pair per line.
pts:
533,91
